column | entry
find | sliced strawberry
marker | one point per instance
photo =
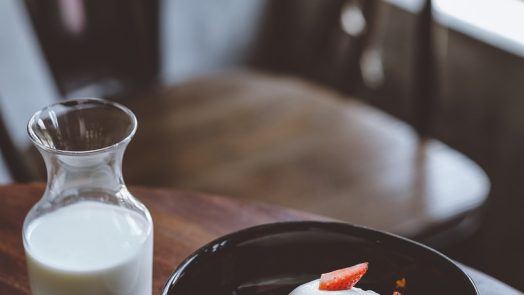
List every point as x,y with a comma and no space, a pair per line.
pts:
342,279
396,293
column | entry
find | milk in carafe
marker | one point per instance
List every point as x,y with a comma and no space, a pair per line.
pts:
90,248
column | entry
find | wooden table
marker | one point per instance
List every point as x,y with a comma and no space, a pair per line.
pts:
183,221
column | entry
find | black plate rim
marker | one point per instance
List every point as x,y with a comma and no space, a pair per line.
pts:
302,225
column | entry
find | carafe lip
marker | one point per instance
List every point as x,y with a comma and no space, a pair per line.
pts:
82,100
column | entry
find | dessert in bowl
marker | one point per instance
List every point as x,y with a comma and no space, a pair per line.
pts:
338,282
277,258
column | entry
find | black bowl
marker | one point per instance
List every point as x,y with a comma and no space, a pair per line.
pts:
276,258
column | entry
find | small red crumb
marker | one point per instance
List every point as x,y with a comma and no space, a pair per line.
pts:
401,283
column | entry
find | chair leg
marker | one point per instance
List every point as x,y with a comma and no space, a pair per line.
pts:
425,99
14,162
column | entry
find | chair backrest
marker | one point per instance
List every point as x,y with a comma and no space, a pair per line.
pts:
98,48
320,40
103,48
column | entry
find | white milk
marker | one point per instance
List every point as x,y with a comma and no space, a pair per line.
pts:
90,248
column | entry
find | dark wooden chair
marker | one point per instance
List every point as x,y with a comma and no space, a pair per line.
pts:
285,140
272,119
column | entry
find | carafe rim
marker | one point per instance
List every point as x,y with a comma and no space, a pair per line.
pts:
82,100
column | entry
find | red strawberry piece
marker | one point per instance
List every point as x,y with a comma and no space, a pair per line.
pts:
342,279
396,293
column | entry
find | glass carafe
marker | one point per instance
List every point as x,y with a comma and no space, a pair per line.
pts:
87,235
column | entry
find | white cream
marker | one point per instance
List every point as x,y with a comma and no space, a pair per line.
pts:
90,248
311,288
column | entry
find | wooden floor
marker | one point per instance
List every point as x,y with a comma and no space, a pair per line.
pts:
284,141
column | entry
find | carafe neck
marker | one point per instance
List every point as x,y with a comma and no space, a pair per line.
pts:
94,174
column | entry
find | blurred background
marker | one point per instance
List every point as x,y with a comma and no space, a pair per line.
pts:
403,115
